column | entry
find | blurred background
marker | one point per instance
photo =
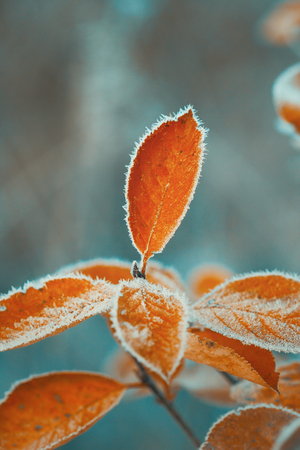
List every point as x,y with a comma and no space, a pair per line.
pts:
79,82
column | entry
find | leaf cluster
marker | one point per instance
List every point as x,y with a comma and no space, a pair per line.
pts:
219,322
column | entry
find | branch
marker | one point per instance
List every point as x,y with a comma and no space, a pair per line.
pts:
147,380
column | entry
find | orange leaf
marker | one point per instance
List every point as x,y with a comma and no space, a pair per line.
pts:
49,410
164,276
207,384
205,278
286,96
231,356
115,270
289,388
150,322
162,179
50,306
282,25
252,427
289,438
262,309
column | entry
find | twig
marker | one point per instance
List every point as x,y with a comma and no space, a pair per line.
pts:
135,385
229,377
147,380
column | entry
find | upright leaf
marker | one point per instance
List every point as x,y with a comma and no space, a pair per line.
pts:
150,322
262,309
46,411
289,388
253,427
231,356
162,179
50,306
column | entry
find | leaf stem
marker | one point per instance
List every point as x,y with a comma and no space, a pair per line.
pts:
148,381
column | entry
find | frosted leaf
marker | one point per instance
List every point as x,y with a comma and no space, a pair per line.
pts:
115,270
252,427
150,322
162,179
50,306
261,308
111,269
46,411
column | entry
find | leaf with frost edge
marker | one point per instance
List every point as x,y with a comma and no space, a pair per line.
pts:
164,119
106,262
238,411
67,372
232,334
154,266
166,293
97,307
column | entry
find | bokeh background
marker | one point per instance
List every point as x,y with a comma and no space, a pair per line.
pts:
79,82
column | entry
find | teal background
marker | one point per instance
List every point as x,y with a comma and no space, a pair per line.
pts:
79,83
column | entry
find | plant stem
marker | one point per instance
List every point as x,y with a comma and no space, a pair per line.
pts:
135,385
229,377
147,380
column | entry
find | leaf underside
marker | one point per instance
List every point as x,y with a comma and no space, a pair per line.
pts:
231,356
